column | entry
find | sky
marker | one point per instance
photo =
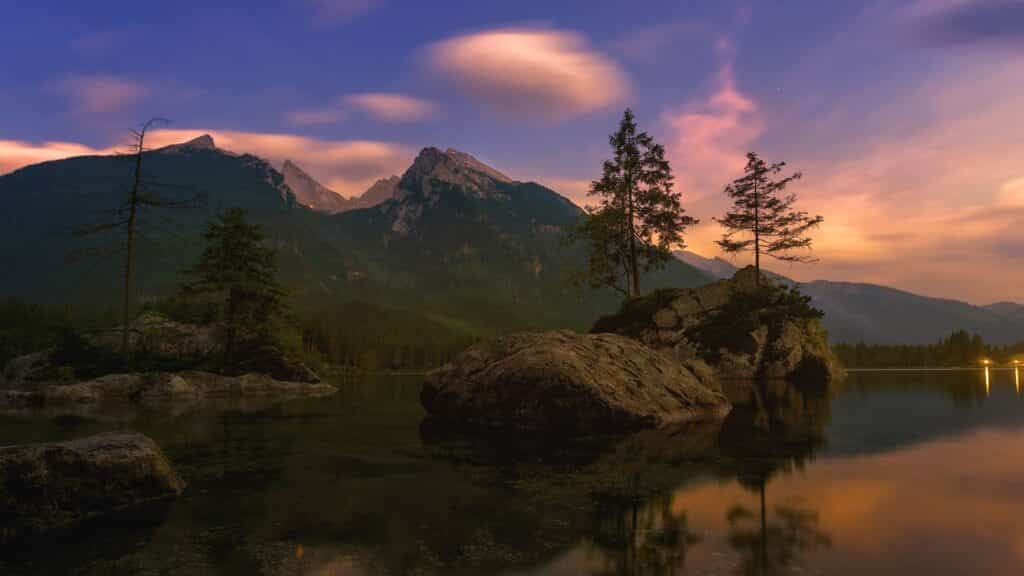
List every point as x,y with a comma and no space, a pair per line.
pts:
906,118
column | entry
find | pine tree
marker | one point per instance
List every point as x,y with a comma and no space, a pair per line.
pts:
240,274
638,219
762,209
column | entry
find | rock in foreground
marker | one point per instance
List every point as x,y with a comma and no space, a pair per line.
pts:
45,486
581,383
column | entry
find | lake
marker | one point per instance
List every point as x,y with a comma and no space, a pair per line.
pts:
892,473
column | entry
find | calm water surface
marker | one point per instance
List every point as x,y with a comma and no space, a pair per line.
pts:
901,473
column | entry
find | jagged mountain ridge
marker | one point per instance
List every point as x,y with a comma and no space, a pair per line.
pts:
311,193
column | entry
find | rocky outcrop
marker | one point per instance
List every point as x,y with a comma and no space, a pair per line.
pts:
156,335
46,486
192,385
582,383
742,328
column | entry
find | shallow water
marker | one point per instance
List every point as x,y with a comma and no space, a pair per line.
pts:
895,473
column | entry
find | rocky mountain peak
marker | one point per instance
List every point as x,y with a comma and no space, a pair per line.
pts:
311,193
451,167
204,142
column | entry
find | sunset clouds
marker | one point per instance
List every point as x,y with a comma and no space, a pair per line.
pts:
16,154
101,94
383,106
392,107
710,136
531,72
345,166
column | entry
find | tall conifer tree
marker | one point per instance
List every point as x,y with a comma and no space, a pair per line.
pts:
763,214
638,219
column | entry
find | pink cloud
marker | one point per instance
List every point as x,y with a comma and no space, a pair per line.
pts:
384,106
711,136
393,107
15,154
346,166
101,94
531,72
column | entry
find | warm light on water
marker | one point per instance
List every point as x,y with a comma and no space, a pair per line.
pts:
893,474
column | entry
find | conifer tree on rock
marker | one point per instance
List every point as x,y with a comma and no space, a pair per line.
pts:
762,219
238,271
639,218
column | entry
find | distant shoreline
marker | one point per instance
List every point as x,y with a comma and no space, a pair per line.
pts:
1002,368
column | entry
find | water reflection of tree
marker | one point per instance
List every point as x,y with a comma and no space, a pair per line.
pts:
772,547
779,428
643,539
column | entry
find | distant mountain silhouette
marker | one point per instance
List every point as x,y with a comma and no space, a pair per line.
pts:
878,314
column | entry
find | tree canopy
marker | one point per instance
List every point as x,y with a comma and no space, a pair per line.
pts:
238,272
762,219
639,217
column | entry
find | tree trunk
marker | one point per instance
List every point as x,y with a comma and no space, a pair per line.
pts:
130,249
229,329
757,237
634,268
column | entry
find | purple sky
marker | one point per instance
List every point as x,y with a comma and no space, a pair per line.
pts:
907,118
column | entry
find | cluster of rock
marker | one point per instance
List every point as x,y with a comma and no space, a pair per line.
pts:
41,378
637,369
51,485
790,348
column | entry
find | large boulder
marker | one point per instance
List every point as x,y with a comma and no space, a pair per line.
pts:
582,383
45,486
743,327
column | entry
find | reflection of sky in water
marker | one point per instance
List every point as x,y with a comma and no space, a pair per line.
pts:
896,474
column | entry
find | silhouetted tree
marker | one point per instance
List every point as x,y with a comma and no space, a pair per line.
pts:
639,218
126,217
762,209
240,274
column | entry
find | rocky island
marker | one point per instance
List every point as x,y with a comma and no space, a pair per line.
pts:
655,363
179,364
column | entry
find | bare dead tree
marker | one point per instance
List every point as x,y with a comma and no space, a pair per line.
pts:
126,218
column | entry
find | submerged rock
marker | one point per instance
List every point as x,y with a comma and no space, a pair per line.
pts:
743,328
46,486
583,383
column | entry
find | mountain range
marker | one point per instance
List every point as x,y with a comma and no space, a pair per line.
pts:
452,239
859,312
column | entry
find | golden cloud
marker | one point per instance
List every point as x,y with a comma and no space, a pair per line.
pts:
531,72
392,107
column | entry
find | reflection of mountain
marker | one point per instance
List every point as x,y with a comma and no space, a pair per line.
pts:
882,315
